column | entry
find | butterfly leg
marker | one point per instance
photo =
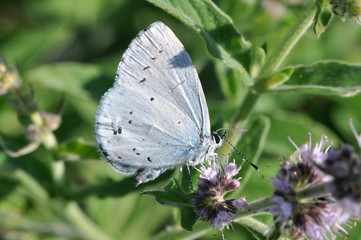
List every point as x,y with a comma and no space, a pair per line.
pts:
190,177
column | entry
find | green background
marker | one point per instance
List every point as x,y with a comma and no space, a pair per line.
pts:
74,47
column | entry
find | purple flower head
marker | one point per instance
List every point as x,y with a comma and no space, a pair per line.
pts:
312,218
345,167
209,203
347,8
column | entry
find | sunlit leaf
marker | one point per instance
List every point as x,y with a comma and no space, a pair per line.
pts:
326,77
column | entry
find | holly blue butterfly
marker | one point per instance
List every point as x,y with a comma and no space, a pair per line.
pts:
155,117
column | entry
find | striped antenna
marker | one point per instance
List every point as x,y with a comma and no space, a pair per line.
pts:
244,158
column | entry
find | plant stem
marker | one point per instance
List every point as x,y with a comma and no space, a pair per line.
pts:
315,191
271,66
82,223
281,52
257,206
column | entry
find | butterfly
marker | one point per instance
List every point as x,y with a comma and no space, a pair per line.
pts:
155,117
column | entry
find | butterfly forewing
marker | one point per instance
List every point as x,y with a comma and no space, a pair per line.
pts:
155,116
157,60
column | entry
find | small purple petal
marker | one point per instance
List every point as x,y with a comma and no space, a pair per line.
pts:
223,219
231,170
241,204
233,185
281,209
210,173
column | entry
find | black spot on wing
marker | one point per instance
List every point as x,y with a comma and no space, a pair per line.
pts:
143,80
147,67
148,159
130,121
152,99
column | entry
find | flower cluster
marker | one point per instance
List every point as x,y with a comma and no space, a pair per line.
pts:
39,125
215,181
336,173
9,79
350,8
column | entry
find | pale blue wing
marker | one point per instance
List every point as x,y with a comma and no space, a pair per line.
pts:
138,128
155,116
157,60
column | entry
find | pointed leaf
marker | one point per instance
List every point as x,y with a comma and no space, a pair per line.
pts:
326,77
280,77
258,57
323,17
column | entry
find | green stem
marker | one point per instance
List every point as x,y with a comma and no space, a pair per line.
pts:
282,51
315,191
257,206
82,223
271,66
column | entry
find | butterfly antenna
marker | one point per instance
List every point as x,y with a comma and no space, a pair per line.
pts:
244,158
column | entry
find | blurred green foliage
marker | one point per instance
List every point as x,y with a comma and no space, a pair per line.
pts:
73,48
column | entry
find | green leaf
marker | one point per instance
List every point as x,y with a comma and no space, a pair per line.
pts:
275,232
323,17
31,186
326,77
228,81
185,178
258,57
76,149
256,227
8,183
216,27
280,77
173,195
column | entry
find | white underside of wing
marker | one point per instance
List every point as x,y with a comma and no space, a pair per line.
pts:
138,135
156,112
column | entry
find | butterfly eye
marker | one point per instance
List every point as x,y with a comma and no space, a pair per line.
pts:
216,138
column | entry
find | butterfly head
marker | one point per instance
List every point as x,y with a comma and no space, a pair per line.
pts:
217,140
